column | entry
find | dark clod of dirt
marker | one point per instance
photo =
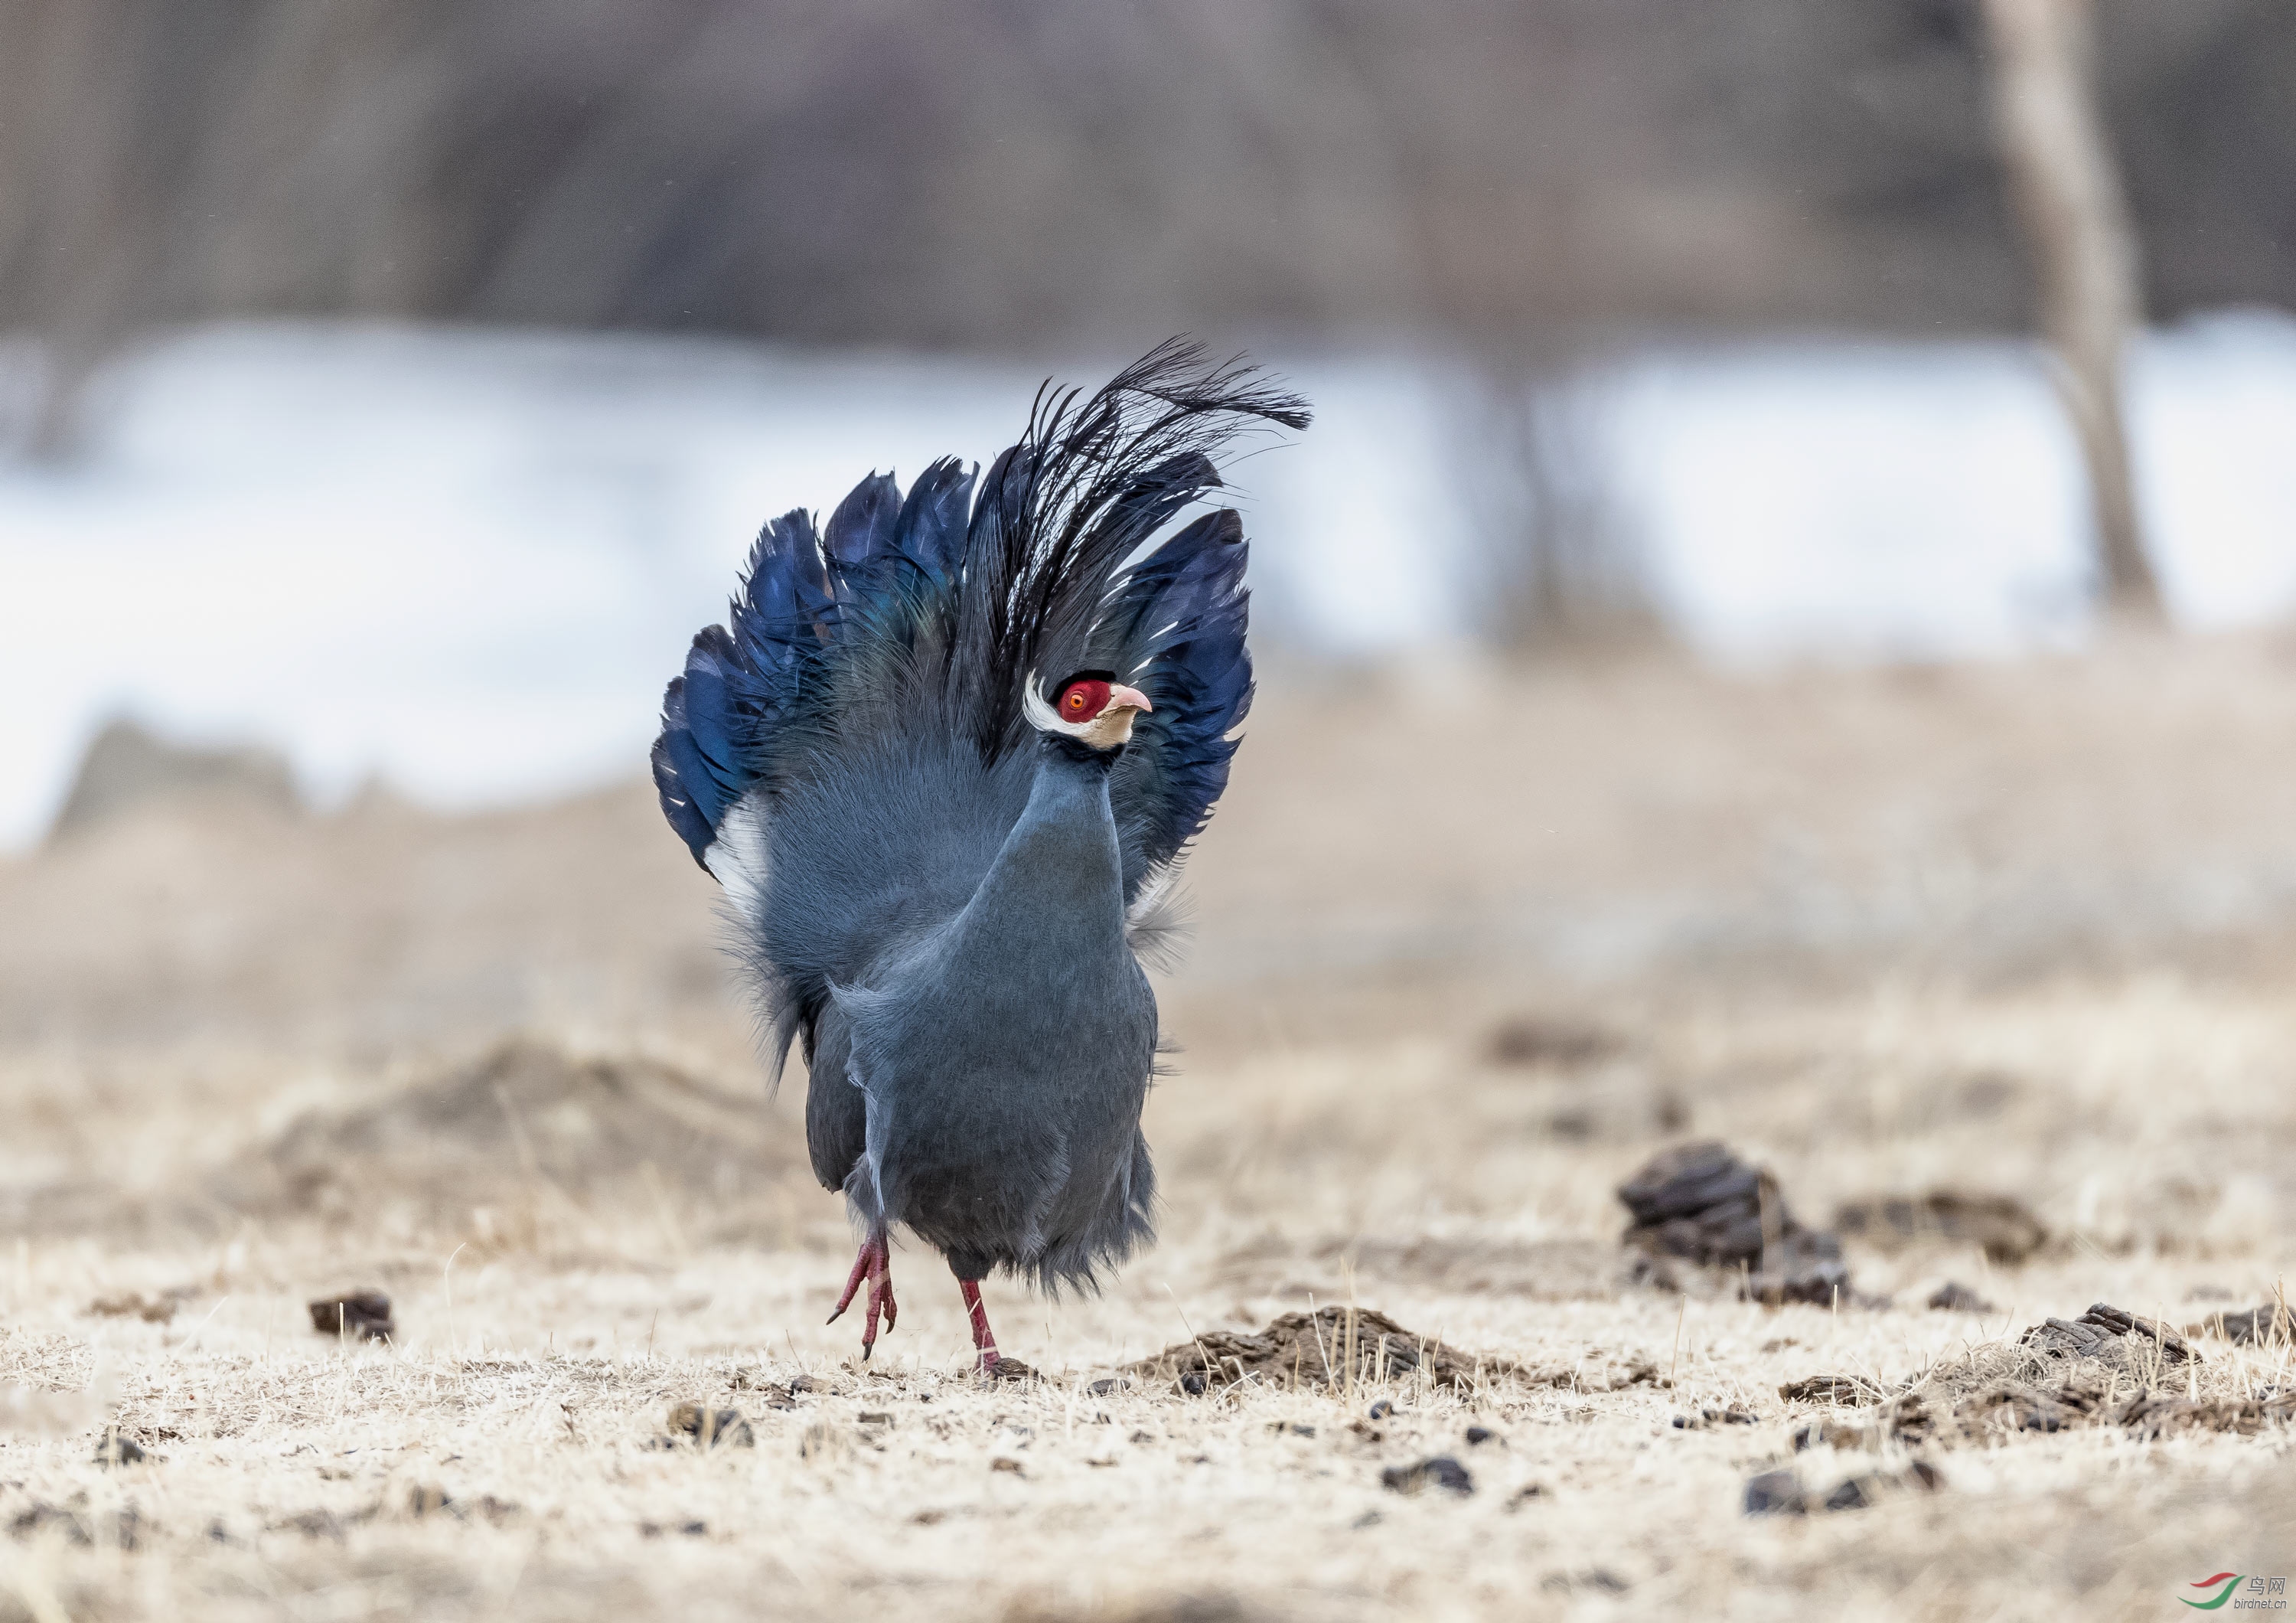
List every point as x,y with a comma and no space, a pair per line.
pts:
1780,1493
2000,1223
133,1305
116,1447
124,1528
2259,1326
1831,1389
1954,1298
361,1315
1109,1388
1442,1471
1477,1436
689,1530
1159,1609
1599,1580
1565,1043
2091,1335
770,1392
1381,1409
1705,1419
1009,1369
710,1428
1700,1203
311,1524
1324,1348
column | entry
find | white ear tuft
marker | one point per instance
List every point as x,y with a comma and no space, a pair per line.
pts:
1042,716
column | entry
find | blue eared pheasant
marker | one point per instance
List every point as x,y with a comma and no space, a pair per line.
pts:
944,762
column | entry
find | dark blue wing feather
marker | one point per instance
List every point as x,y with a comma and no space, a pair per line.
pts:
743,692
930,531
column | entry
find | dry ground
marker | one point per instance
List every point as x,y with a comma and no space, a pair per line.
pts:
2025,929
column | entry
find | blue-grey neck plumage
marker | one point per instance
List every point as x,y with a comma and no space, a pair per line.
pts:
944,761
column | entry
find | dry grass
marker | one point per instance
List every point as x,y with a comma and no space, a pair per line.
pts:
297,1103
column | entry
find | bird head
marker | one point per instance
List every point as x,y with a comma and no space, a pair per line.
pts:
1090,706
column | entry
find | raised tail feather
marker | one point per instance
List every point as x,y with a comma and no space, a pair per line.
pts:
949,598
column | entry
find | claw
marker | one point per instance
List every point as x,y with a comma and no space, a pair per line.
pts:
875,1264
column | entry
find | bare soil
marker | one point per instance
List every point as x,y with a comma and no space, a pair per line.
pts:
2000,959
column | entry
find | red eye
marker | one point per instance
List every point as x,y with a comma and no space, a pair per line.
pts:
1084,700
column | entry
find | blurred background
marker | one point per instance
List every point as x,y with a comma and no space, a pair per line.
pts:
1779,630
395,385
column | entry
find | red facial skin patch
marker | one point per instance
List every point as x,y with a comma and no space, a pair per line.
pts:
1082,701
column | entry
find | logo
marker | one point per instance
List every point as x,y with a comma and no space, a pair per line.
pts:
2255,1594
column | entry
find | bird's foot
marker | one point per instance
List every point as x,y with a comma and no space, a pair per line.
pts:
984,1340
875,1264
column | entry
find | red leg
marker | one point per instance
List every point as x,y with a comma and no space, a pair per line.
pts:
984,1340
875,1265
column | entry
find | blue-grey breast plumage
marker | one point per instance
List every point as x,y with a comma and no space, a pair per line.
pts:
944,761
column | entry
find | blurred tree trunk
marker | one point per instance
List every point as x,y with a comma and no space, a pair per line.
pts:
1557,569
2067,196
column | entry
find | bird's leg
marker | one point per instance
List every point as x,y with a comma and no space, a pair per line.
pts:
875,1265
984,1340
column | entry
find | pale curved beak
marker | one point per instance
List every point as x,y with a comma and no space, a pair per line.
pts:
1128,698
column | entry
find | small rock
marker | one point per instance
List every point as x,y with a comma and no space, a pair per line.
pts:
1381,1409
715,1427
1734,1415
1442,1471
361,1315
1831,1389
1851,1496
824,1441
1109,1388
1826,1434
116,1447
311,1524
1952,1297
1776,1492
1005,1463
1478,1435
1601,1580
